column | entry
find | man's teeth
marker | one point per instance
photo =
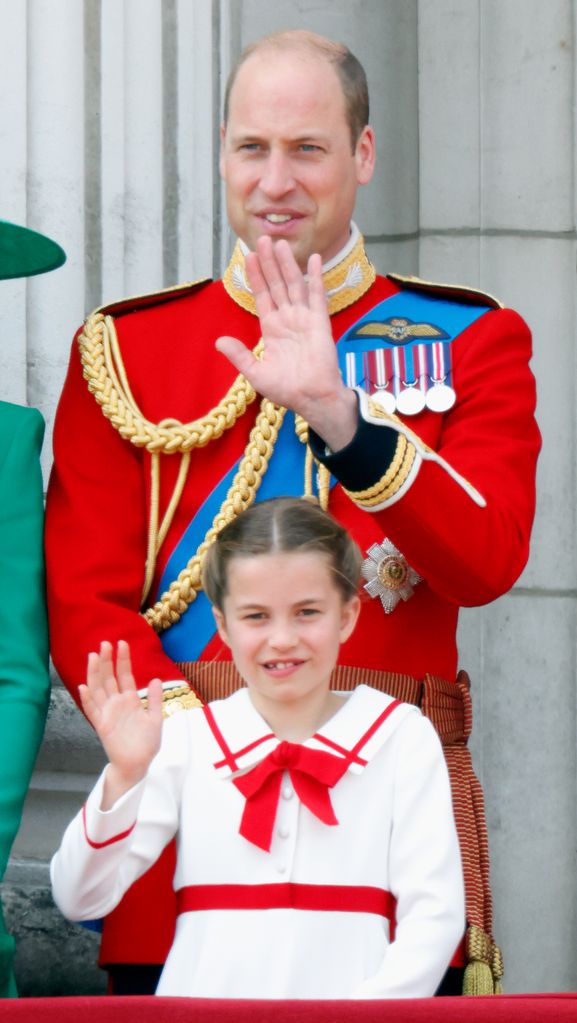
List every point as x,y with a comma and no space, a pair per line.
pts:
278,218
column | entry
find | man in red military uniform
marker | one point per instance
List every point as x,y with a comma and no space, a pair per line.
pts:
416,429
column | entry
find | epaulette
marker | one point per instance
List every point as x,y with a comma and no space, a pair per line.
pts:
453,292
136,302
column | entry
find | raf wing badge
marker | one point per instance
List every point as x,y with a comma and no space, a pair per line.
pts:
389,575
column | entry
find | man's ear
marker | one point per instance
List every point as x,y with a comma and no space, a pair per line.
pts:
365,155
220,624
350,614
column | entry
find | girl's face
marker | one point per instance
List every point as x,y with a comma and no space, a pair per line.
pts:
284,619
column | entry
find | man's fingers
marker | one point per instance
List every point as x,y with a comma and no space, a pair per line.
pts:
293,276
273,274
317,293
259,287
238,354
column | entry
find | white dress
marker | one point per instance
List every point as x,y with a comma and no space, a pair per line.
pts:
395,844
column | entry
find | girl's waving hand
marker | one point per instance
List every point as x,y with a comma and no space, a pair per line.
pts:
129,733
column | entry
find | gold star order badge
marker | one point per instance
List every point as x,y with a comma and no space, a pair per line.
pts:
389,575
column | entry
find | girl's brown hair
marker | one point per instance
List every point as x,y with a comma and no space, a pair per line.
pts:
276,526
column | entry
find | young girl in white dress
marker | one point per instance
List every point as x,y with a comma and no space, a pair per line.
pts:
317,855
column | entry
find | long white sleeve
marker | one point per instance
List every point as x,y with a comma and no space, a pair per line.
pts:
425,871
103,852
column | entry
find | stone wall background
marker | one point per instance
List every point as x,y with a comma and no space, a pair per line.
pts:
108,141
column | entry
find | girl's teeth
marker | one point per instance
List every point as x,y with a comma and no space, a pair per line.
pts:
278,218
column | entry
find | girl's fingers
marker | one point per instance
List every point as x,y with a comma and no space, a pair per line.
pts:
124,667
89,705
106,669
154,697
94,688
92,672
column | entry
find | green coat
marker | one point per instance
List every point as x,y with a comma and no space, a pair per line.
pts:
24,680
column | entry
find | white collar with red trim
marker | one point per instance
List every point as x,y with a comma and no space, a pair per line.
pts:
241,738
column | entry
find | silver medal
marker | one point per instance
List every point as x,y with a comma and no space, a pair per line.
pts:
440,397
410,401
384,399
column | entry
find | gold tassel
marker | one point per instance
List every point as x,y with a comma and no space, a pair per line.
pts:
478,979
497,967
484,968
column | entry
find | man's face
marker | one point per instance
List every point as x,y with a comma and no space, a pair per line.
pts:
286,154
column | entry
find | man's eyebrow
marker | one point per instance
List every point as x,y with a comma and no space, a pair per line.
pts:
254,606
248,135
242,135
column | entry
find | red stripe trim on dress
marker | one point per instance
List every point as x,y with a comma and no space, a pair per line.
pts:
247,749
332,898
340,749
109,841
374,727
228,756
351,756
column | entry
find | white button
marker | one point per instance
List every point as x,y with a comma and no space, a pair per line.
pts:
283,832
281,868
287,792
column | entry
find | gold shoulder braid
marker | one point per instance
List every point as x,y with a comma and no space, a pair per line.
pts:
104,371
103,368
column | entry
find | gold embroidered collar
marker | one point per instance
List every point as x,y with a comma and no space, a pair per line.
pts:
345,281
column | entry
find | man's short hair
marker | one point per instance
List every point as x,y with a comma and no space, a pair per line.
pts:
350,71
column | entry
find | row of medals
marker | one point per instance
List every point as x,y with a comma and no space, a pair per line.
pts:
427,369
410,399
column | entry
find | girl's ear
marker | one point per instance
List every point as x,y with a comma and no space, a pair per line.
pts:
220,624
350,613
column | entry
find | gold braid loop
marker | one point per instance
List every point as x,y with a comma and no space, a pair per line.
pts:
182,592
104,371
302,429
323,474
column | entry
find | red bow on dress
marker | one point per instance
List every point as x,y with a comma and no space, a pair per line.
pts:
312,773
